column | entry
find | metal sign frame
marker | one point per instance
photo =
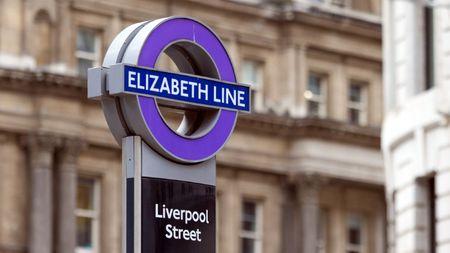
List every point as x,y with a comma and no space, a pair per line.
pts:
163,168
196,49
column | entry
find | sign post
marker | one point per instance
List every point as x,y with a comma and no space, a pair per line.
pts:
169,176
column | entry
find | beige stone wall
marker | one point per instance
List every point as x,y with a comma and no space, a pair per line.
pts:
11,33
235,186
14,208
265,159
415,140
289,50
340,200
106,166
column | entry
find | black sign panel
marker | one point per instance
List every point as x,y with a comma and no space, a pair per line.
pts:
177,216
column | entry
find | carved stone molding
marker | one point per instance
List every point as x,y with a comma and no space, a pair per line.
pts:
41,141
70,150
42,82
307,180
327,129
308,190
41,148
314,180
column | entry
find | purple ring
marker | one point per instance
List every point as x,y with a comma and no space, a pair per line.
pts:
208,145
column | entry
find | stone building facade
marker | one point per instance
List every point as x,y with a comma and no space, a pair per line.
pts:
415,139
302,173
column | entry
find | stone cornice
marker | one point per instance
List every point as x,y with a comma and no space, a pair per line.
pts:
284,11
283,126
326,129
343,20
46,143
32,81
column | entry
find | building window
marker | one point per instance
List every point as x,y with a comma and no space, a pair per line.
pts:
252,72
357,103
356,235
88,50
322,231
337,3
87,215
316,95
251,227
428,41
340,3
431,184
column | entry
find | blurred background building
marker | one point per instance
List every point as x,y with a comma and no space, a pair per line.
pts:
416,128
302,173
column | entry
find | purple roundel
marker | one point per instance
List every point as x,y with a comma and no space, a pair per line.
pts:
182,148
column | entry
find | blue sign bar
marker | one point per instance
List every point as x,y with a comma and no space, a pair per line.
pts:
186,88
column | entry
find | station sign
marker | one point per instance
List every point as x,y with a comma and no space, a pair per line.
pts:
169,176
212,93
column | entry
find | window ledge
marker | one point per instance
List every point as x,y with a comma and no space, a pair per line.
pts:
339,11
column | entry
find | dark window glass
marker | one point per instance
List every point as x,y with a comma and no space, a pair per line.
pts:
248,245
354,235
429,49
353,115
355,93
249,216
354,229
432,213
86,41
84,232
314,84
85,194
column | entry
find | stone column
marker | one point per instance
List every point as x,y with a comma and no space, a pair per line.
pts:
308,197
67,179
291,225
303,80
41,153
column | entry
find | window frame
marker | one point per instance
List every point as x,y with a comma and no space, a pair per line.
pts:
363,106
321,99
256,235
93,214
89,56
340,3
362,248
257,88
344,4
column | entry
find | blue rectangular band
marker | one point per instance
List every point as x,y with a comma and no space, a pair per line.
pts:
186,88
